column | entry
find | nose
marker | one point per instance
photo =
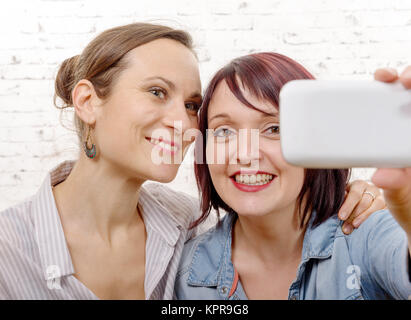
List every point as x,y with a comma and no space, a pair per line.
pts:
177,118
248,147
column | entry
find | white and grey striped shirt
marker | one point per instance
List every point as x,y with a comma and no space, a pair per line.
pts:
35,262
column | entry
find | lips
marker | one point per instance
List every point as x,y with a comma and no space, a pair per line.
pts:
166,146
254,182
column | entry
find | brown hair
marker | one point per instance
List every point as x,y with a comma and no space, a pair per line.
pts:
102,60
264,74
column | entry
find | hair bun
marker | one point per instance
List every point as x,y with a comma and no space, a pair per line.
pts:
65,81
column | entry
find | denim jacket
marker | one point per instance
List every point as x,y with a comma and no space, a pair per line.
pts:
370,263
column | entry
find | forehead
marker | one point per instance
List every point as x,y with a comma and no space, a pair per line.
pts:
224,101
165,57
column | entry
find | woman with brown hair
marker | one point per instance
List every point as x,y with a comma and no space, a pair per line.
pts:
93,230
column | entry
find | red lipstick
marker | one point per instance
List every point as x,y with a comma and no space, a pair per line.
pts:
249,188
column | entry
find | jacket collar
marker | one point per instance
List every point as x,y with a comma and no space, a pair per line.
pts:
211,264
319,240
212,258
54,254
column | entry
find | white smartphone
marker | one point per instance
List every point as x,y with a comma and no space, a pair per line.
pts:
344,124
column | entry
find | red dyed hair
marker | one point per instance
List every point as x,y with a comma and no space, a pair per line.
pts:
264,74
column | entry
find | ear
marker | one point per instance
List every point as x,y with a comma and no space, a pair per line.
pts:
85,101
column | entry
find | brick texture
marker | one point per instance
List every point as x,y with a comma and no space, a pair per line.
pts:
332,38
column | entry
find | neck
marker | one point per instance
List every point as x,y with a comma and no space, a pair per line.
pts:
97,198
273,237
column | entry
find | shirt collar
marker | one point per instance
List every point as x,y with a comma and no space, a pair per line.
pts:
211,264
159,219
54,254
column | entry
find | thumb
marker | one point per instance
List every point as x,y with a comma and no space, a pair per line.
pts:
397,193
392,179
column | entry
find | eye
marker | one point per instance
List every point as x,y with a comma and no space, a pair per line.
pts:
273,130
223,133
192,107
158,92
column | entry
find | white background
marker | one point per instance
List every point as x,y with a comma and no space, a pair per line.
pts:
334,39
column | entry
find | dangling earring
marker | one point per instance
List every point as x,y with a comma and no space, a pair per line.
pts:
90,152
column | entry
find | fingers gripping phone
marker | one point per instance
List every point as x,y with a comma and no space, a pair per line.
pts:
344,124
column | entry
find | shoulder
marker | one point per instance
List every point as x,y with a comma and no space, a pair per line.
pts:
380,217
191,246
202,261
16,222
328,236
183,207
207,248
378,222
377,235
199,266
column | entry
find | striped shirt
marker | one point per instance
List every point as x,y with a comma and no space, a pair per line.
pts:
35,262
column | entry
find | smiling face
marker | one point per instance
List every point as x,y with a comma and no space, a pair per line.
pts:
249,190
158,92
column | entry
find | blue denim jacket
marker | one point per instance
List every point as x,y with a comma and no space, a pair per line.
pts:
370,263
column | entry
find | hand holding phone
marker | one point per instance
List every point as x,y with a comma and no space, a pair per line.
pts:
396,183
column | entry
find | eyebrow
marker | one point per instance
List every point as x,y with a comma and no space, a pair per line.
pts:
220,115
226,116
173,86
168,82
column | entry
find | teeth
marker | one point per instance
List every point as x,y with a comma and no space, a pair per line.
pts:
167,146
163,145
253,179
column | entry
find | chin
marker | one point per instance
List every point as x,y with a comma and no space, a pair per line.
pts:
256,207
252,212
245,209
163,179
165,175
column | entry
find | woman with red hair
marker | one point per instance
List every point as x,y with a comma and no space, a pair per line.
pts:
281,237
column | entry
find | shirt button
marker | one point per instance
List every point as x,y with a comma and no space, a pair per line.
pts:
224,290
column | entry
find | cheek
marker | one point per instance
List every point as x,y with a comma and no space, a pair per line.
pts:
279,155
122,125
109,128
116,117
191,134
214,152
218,177
194,124
221,152
275,153
215,166
291,177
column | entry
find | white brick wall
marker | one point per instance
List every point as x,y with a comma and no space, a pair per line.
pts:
332,38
